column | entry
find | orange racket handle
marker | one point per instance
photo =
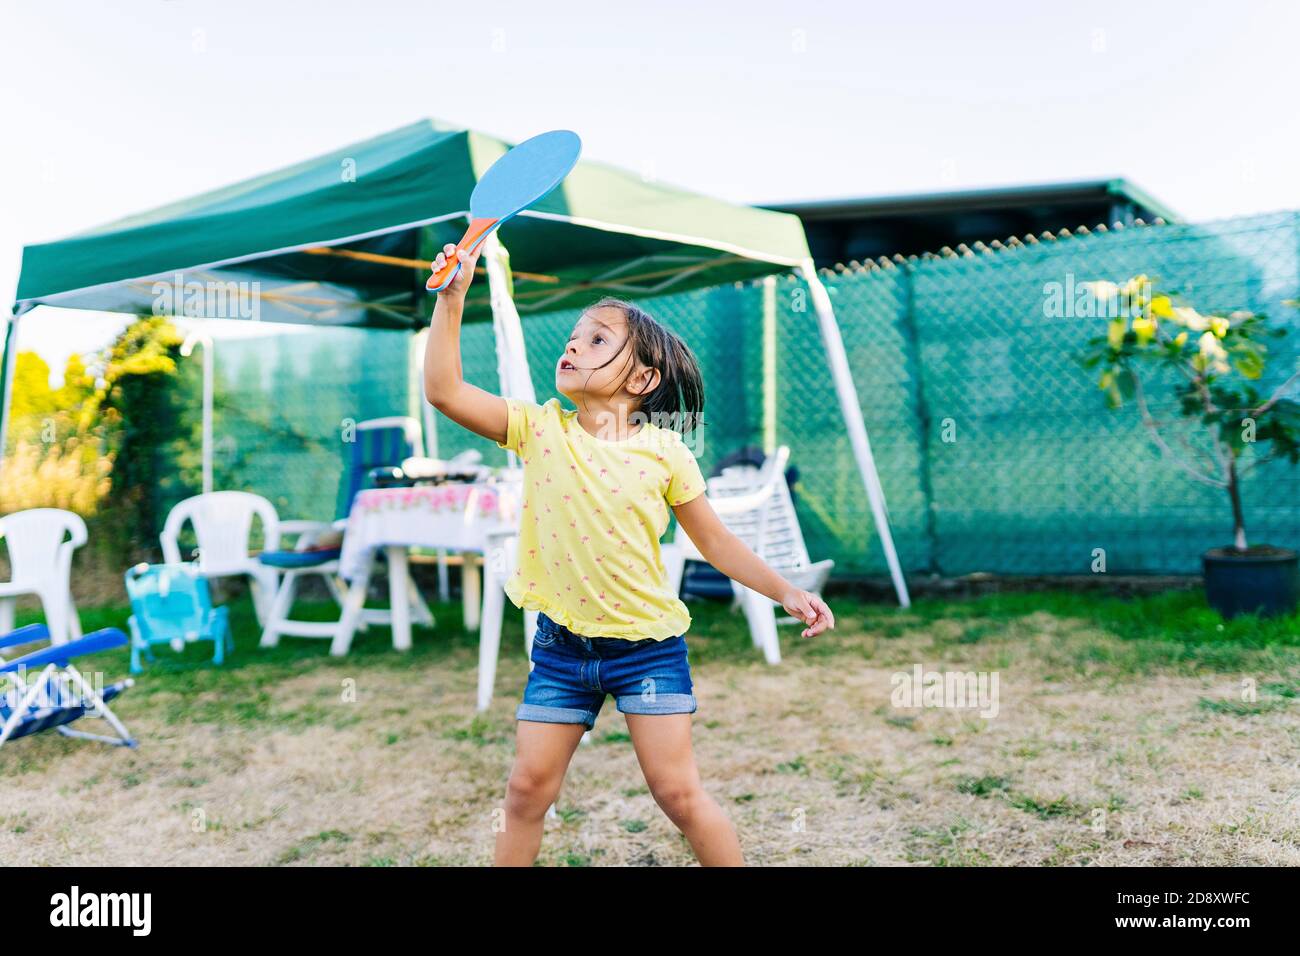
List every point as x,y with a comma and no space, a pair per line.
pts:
475,234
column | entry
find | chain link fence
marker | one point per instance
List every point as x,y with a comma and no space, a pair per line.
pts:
995,448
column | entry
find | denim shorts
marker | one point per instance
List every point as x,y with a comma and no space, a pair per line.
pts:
572,674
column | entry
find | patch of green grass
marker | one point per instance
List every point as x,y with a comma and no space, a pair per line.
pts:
944,846
1060,807
797,765
481,730
1064,855
852,781
634,826
1240,708
305,848
982,786
1180,616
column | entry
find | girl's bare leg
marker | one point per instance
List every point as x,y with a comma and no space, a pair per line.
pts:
663,748
542,755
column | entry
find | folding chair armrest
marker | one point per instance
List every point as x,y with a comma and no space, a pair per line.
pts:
26,635
306,531
101,640
304,527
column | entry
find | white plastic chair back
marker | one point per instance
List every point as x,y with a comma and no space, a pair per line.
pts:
223,523
39,555
754,504
772,531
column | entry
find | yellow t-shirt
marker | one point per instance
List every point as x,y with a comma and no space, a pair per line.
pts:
592,516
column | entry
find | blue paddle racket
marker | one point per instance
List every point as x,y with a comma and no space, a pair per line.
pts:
513,183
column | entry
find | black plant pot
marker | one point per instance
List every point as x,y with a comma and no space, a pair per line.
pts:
1262,580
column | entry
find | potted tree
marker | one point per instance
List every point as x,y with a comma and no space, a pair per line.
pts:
1225,426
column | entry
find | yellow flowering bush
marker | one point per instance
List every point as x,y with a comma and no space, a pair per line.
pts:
1216,362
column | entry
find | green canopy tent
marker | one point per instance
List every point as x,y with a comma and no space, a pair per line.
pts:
345,239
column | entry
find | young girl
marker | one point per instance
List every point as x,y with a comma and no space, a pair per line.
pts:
598,482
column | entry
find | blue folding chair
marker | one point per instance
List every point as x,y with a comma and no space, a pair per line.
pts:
59,694
377,443
171,605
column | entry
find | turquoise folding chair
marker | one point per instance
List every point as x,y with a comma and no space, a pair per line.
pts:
171,605
43,691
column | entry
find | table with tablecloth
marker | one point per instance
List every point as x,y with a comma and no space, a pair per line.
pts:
456,517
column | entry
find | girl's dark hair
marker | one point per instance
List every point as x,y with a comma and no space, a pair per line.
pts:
677,402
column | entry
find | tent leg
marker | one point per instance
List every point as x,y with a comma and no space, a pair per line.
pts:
852,412
769,364
7,380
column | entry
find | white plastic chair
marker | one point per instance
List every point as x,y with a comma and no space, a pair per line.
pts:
223,522
498,564
755,505
279,622
40,560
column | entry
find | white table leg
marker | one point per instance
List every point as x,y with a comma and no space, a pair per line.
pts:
444,583
351,614
489,633
399,597
470,584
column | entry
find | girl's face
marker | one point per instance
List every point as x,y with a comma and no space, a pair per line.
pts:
600,335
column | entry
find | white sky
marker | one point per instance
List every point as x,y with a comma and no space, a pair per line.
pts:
110,109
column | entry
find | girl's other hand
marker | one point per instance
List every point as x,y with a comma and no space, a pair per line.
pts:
810,609
468,260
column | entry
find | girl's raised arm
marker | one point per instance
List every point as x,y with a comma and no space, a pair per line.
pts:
444,383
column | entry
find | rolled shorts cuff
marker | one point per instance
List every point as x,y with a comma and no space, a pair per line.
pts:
656,704
555,715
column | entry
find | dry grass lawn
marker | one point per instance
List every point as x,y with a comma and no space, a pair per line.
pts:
1112,745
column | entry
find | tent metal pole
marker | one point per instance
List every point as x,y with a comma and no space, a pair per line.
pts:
198,337
851,409
769,364
7,385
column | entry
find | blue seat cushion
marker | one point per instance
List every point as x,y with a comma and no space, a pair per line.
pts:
299,559
53,708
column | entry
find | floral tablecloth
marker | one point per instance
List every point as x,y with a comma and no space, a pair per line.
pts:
457,517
